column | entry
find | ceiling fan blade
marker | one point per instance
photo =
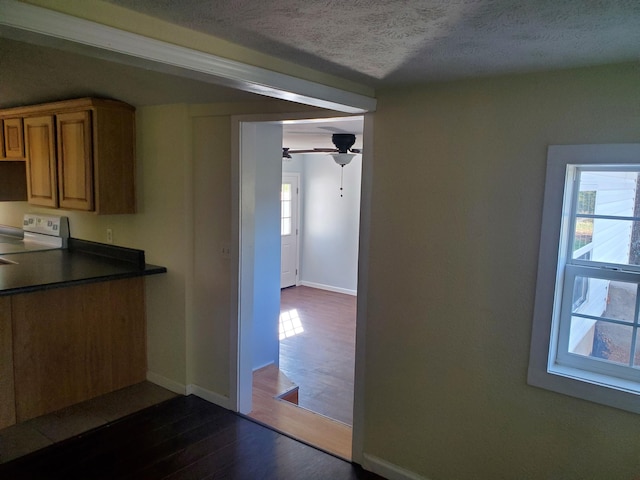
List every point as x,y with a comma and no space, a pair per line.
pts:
344,142
333,129
313,150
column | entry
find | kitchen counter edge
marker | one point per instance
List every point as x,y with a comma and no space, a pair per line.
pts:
83,262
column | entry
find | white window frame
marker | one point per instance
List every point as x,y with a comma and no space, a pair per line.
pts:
544,371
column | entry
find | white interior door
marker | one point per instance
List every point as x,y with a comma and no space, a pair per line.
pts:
289,230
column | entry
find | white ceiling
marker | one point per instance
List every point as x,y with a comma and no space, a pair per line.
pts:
317,133
379,43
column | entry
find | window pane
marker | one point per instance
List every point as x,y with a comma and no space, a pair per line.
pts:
636,357
286,209
586,201
599,339
612,342
608,299
584,235
285,226
580,290
609,241
621,301
607,193
286,191
590,296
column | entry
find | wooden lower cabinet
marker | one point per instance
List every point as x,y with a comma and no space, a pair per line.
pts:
75,343
7,396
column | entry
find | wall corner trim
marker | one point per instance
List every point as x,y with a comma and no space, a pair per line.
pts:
167,383
209,396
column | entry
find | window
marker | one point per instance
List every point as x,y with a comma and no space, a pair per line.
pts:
586,326
285,209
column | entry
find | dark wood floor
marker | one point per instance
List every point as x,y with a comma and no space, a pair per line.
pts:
182,438
321,359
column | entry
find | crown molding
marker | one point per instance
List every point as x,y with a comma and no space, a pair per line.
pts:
42,26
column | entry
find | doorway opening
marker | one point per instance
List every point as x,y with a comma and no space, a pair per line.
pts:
314,369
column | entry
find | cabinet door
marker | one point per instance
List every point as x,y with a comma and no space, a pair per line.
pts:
41,161
7,396
75,160
76,343
13,139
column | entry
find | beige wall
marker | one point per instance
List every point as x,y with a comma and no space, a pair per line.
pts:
457,198
183,220
212,271
163,158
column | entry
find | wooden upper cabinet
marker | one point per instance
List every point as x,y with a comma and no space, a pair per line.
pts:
82,157
114,144
42,183
13,139
13,177
75,160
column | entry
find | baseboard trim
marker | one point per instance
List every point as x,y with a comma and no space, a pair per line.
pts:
167,383
330,288
175,387
388,470
209,396
255,369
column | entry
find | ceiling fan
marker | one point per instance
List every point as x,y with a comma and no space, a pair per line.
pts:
342,154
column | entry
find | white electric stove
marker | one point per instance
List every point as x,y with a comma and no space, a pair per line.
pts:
39,232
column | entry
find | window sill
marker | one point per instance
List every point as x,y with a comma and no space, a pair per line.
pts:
589,386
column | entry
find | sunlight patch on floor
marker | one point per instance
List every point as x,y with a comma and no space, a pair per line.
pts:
290,324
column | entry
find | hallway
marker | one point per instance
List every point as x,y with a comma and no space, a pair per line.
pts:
317,355
321,358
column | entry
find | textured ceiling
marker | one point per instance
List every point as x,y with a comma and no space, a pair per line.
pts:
375,42
389,42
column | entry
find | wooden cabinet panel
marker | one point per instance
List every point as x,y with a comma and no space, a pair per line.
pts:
41,161
75,162
114,160
128,332
73,344
7,396
13,139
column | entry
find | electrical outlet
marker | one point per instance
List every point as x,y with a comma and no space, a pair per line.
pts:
225,251
109,235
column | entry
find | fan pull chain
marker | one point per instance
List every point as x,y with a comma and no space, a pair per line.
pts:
341,177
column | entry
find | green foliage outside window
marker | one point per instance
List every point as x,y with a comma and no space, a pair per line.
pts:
584,226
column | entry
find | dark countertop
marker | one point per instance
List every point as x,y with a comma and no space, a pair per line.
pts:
83,262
